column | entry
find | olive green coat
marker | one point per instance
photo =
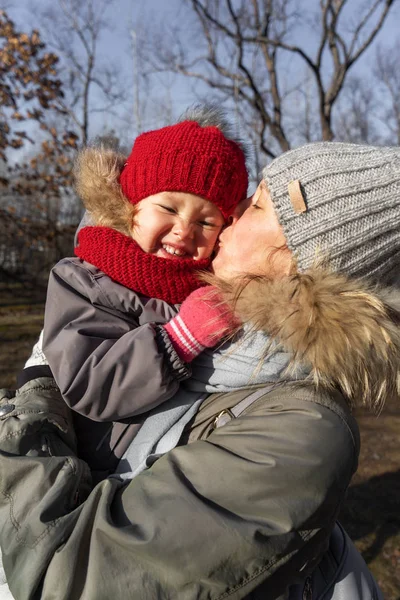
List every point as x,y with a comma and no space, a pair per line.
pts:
251,505
240,512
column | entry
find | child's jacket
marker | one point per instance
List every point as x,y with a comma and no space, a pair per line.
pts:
111,360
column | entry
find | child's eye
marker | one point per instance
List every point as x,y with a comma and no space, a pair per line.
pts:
207,224
168,208
256,206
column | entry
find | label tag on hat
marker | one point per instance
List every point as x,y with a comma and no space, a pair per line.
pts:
296,197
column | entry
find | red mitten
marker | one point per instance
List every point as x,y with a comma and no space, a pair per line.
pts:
203,320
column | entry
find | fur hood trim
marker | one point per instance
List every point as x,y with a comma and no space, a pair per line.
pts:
346,332
97,172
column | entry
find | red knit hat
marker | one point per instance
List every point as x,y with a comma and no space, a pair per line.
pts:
186,158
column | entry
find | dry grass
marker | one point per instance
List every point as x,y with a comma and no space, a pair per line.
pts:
21,319
371,514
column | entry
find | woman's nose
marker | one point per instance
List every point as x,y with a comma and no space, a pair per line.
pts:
239,210
231,220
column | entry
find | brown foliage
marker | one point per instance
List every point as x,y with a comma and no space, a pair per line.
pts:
27,75
30,90
39,220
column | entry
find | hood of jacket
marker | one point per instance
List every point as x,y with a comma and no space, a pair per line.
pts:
97,172
344,331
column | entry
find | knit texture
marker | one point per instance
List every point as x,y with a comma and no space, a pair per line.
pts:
185,343
352,197
120,257
203,320
186,158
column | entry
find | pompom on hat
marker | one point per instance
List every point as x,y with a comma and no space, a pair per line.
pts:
341,201
186,157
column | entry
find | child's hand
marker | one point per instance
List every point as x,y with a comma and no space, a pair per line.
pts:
203,320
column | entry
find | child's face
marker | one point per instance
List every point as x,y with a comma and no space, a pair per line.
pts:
177,225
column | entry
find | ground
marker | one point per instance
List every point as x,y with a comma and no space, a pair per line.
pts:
371,514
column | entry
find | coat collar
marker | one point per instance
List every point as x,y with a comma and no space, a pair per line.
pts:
344,331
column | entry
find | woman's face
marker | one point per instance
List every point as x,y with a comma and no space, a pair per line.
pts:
254,242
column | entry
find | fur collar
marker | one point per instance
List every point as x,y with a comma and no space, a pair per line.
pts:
345,331
97,172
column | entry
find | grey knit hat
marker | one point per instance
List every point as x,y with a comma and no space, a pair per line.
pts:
343,201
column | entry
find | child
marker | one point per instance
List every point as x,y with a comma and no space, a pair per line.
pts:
157,218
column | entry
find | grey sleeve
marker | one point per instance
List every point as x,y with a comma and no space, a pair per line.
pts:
251,506
107,365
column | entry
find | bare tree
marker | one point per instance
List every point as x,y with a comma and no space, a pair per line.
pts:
74,29
29,83
256,51
39,212
153,95
33,206
387,75
356,119
40,202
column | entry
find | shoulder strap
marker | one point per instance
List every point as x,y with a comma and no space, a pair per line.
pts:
228,414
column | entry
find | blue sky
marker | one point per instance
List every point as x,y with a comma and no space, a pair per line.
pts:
115,45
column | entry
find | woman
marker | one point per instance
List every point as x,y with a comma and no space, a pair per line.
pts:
247,507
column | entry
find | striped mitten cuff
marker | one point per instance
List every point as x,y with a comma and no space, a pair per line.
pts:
203,320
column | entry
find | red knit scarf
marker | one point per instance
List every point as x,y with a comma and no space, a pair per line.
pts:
120,257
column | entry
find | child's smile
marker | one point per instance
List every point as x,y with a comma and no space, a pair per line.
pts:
176,225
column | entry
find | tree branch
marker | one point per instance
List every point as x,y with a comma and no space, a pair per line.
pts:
374,32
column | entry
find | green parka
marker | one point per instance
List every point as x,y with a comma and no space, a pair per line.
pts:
242,511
